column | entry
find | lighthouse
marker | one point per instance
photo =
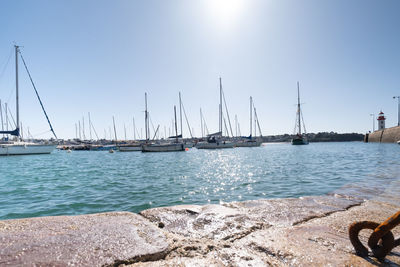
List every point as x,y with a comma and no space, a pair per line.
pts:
381,120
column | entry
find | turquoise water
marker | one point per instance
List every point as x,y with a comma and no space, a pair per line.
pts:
97,181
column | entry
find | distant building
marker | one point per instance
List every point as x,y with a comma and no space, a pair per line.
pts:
381,120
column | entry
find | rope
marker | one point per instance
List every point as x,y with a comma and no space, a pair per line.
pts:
304,126
227,113
187,121
295,123
91,124
37,94
258,123
6,65
39,134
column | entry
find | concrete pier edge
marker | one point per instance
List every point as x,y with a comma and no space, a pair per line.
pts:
305,231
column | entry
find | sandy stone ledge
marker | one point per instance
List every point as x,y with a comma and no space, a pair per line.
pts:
307,231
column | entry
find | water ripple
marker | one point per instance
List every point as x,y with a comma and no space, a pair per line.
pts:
96,181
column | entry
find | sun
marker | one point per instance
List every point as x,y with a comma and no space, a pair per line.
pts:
225,12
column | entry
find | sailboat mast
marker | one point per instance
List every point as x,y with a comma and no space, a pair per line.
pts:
16,87
134,129
180,113
251,115
6,108
1,115
80,136
176,125
236,129
298,106
83,128
115,132
220,105
145,116
201,124
90,127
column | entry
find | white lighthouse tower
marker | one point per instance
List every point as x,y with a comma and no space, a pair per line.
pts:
381,120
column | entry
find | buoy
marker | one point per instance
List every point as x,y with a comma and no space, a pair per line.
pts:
187,149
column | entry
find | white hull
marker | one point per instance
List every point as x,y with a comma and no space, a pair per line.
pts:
163,147
129,148
216,145
248,144
25,149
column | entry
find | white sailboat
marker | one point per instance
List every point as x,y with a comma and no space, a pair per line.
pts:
133,146
250,141
215,140
162,147
299,138
187,143
20,147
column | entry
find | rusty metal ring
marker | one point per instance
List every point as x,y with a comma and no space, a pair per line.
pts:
354,230
383,229
388,243
379,251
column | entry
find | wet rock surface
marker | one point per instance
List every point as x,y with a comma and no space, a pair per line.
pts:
306,231
85,240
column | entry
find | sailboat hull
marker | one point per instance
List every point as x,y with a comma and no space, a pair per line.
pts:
299,141
216,145
248,144
25,149
163,147
130,148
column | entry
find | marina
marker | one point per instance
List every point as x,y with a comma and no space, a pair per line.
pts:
160,133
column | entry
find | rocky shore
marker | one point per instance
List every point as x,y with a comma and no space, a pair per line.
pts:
307,231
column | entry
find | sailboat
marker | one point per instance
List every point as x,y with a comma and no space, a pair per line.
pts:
133,146
162,147
215,140
299,138
20,147
250,141
187,143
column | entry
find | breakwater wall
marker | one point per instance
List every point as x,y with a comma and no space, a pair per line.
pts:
389,135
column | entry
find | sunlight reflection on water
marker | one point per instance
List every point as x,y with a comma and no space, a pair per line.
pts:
96,181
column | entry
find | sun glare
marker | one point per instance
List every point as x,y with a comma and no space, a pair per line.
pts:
225,12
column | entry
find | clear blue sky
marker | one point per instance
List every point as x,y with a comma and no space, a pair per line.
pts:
101,56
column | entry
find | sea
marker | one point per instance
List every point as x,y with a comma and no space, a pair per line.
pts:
83,182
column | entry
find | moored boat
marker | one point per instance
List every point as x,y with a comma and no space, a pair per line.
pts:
18,146
25,148
216,145
248,143
163,147
216,140
299,138
130,147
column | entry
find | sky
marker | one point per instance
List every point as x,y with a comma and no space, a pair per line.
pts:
101,57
